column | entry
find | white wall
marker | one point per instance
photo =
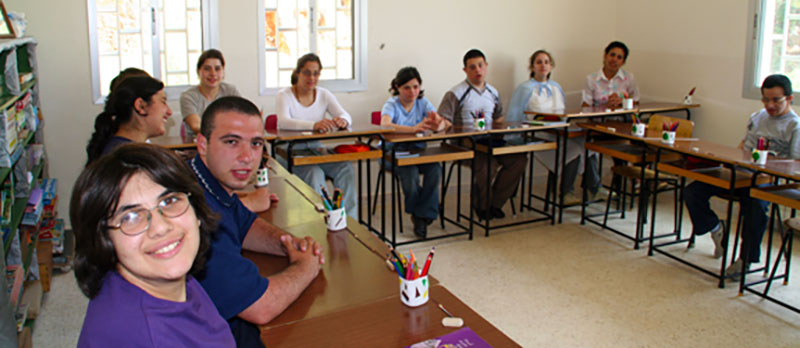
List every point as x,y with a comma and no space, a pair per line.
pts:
674,45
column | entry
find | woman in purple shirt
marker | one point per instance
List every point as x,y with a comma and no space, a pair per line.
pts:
141,227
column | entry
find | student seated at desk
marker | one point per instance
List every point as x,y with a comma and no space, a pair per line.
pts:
229,149
408,111
302,107
780,126
195,100
471,97
141,228
541,94
135,111
611,83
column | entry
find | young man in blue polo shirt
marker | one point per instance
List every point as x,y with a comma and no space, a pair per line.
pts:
229,151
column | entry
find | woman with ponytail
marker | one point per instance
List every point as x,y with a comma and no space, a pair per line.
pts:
135,111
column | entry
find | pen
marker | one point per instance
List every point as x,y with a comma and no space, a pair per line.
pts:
413,265
445,311
428,262
692,91
325,195
397,267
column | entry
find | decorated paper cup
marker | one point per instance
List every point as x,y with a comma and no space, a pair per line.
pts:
262,177
336,219
638,129
627,103
414,293
760,157
479,124
668,137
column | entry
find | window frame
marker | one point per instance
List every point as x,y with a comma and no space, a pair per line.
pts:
359,81
755,24
210,40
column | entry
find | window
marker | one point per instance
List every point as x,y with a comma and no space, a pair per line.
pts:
162,37
333,29
773,44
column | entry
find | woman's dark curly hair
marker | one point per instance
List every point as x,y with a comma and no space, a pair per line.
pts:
96,196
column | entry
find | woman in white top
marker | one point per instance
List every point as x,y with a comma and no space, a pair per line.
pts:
542,94
303,107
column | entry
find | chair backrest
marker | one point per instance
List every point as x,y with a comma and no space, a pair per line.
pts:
376,118
685,127
183,132
271,123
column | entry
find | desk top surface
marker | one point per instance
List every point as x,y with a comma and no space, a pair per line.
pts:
385,322
353,131
603,110
468,131
786,168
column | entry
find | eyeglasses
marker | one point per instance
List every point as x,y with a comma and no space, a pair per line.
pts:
134,222
308,73
766,100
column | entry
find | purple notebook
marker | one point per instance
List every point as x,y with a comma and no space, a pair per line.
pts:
461,338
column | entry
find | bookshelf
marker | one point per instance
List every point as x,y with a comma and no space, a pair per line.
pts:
23,193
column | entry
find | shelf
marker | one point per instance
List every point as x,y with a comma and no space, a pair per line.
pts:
26,264
6,101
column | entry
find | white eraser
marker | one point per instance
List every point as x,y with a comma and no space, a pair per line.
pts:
525,125
695,149
307,133
420,135
612,129
452,322
608,110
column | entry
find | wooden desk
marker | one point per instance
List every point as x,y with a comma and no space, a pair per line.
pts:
432,154
386,322
604,111
787,195
632,149
530,145
727,176
172,143
353,286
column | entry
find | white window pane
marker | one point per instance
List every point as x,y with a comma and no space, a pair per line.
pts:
270,3
106,5
177,57
109,68
193,4
107,40
130,51
328,74
177,80
163,66
174,15
271,69
345,3
287,49
270,30
195,30
344,64
344,29
326,47
287,10
326,11
285,78
129,15
193,79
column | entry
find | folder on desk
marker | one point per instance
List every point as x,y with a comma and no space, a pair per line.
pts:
461,338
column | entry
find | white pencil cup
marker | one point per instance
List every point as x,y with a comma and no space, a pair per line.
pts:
414,293
638,129
262,177
480,124
336,219
760,157
668,137
627,103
